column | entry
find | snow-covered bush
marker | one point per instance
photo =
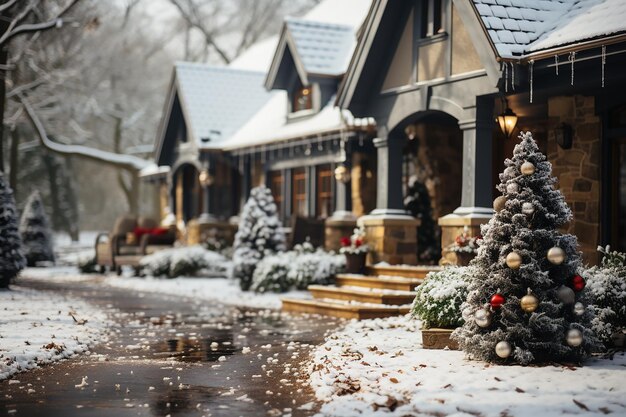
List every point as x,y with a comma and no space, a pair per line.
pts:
12,260
86,262
606,285
439,298
187,261
272,273
314,267
259,234
35,232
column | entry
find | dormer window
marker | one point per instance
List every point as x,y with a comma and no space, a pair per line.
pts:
303,99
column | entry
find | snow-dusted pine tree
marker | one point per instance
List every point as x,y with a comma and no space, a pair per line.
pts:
35,231
526,301
259,234
12,259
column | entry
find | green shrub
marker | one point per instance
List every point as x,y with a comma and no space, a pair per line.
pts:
439,298
271,274
185,261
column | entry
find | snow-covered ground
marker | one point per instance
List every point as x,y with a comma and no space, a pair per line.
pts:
378,368
41,327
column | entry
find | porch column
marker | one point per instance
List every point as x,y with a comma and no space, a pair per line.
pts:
476,197
391,232
343,221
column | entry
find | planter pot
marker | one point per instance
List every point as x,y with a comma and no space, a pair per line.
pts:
355,263
464,258
435,338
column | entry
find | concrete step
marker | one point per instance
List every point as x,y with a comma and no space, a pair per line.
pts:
362,294
381,282
407,271
342,309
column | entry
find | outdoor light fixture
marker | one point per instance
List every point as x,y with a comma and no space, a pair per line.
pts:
342,174
507,122
410,131
205,178
563,135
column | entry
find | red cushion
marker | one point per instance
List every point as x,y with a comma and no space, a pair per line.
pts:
159,231
140,231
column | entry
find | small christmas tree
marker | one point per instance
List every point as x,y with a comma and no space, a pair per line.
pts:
12,259
259,234
35,231
526,301
417,202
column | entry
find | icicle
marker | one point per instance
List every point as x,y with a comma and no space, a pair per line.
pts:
506,78
512,76
556,64
572,59
531,64
603,62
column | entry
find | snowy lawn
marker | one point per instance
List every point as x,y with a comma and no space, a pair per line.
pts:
377,368
41,327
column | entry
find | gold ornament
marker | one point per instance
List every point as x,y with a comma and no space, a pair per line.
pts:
528,208
579,309
529,302
498,203
513,260
556,255
482,317
528,168
512,188
566,295
503,349
574,337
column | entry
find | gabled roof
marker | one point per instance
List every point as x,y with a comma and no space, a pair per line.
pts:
521,28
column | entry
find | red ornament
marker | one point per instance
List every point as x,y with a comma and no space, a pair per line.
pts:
578,283
496,301
345,241
358,242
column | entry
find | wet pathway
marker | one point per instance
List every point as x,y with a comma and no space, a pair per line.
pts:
174,356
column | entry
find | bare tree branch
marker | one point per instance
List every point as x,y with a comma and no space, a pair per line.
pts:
7,5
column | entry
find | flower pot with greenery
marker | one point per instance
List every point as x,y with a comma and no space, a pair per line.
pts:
464,247
355,251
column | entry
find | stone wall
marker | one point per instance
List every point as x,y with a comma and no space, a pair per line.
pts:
578,168
391,239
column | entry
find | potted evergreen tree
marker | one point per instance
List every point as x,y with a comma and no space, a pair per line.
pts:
12,260
35,231
355,251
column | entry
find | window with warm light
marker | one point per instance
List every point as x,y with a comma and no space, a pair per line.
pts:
324,191
303,99
298,183
276,186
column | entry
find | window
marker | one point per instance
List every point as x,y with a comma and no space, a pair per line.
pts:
432,18
324,191
276,186
298,185
303,99
618,205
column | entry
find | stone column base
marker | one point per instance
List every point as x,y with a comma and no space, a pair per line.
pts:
198,232
337,226
453,225
391,238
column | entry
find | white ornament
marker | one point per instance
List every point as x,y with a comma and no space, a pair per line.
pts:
503,349
512,188
482,318
579,309
528,208
556,255
574,337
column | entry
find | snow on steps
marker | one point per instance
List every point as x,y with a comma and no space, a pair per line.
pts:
407,271
343,309
362,295
382,282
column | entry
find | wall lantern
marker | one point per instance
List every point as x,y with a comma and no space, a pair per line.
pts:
342,174
205,178
563,135
507,121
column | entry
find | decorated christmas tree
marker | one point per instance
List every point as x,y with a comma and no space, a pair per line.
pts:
12,259
35,231
526,301
259,234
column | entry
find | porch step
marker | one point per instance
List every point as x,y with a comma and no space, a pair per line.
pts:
381,282
362,295
342,309
407,271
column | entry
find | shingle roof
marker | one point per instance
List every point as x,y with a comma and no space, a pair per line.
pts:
217,101
323,48
520,27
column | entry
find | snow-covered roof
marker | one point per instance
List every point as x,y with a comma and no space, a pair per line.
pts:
154,170
521,27
258,57
343,12
216,101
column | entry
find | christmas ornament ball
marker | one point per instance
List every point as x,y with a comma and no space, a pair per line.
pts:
527,168
574,337
529,303
512,188
503,349
579,309
513,260
566,295
528,208
482,318
497,300
498,203
578,283
556,255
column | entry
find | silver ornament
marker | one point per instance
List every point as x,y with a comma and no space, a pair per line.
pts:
566,295
556,255
528,208
482,318
503,349
579,309
574,337
527,168
512,188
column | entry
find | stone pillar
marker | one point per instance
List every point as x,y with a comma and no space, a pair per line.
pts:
477,194
390,231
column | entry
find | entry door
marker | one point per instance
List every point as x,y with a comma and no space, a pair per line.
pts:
618,203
